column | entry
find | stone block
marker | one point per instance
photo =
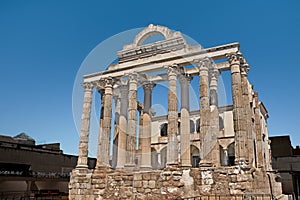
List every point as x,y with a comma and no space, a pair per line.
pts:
147,190
242,177
156,191
129,177
159,184
152,184
177,173
178,184
128,183
146,176
137,184
167,173
165,183
117,178
172,189
140,190
154,176
233,178
145,184
137,177
176,178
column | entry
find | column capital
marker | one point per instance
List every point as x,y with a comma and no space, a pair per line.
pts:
214,73
185,78
245,68
133,77
204,64
104,83
109,82
172,70
88,85
234,57
148,85
140,107
101,91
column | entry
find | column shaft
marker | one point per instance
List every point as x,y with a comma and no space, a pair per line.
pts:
172,148
131,129
205,147
145,137
101,92
117,98
259,136
238,111
122,127
185,153
249,144
214,130
85,126
104,141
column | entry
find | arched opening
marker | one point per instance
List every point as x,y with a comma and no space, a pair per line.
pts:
224,160
192,126
154,159
148,39
150,31
221,123
255,153
164,130
198,125
195,156
231,154
163,158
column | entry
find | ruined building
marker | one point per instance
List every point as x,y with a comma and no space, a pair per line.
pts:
215,152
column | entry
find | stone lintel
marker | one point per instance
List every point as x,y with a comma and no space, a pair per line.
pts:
149,65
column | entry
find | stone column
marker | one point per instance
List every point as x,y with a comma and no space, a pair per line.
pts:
213,94
238,115
214,130
138,153
172,148
122,127
104,142
117,99
102,96
131,129
82,161
259,136
145,136
249,144
203,66
185,145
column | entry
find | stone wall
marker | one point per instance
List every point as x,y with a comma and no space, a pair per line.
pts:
172,183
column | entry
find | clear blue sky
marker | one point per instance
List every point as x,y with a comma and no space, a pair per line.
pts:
43,43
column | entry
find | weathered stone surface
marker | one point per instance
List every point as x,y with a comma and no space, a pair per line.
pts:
228,165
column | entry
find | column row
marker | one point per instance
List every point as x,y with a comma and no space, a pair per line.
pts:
127,121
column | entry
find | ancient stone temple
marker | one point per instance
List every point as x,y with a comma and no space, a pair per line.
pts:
215,152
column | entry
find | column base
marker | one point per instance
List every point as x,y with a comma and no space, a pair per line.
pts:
185,165
130,167
174,164
102,167
120,167
204,163
145,168
242,163
82,166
